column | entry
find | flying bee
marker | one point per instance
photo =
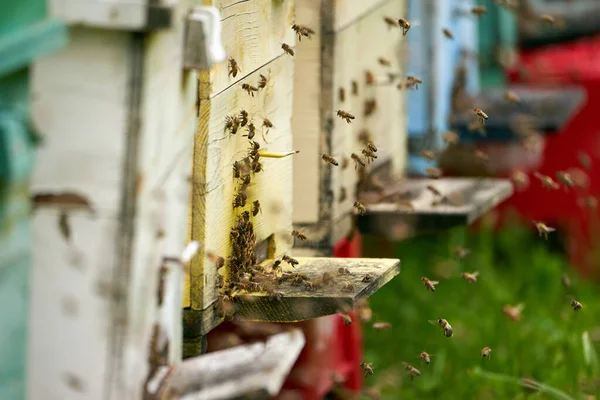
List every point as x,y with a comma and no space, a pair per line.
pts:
480,114
329,160
360,208
429,284
369,78
302,31
382,326
405,25
520,179
346,318
434,190
291,261
390,22
412,371
367,368
485,352
370,107
357,160
342,94
433,173
546,181
584,160
267,123
428,155
481,156
461,252
576,305
231,124
425,356
448,33
287,49
371,146
512,97
233,67
547,19
470,277
543,229
354,88
348,288
249,89
566,282
450,137
384,61
298,235
513,312
565,178
262,82
412,81
479,10
255,208
444,325
369,155
345,116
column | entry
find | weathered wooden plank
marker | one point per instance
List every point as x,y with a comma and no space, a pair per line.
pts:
255,371
252,32
465,201
366,275
214,186
347,12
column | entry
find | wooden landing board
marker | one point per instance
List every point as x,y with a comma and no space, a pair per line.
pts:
254,371
393,220
299,304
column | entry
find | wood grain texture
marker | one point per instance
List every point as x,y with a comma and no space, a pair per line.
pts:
213,183
252,33
347,12
299,304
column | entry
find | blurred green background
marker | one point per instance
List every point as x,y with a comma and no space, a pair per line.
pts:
552,344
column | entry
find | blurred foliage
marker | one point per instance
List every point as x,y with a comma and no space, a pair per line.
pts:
552,344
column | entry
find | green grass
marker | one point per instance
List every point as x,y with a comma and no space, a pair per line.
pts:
549,344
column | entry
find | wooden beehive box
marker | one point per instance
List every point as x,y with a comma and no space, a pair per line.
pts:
331,74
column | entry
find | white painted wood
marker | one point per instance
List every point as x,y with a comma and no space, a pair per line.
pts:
116,14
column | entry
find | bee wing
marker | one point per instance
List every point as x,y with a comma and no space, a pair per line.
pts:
475,274
415,23
433,321
549,229
520,307
434,282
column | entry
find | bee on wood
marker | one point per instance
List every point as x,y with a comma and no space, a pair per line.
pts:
369,155
405,25
481,115
390,22
291,261
584,160
546,181
232,124
360,208
479,10
485,352
262,82
267,123
343,271
249,89
313,285
243,118
370,107
433,173
576,305
367,368
298,235
357,160
548,19
346,116
512,97
450,137
412,371
448,33
369,78
470,277
233,67
384,61
255,208
342,94
354,88
382,326
426,357
347,288
239,200
347,319
287,49
251,131
429,284
565,178
448,332
367,278
329,160
461,252
428,155
513,312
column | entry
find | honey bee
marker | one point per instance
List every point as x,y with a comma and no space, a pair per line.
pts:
239,200
566,282
367,368
461,252
480,114
291,261
343,271
255,208
342,94
313,285
231,124
382,326
546,181
405,25
369,155
329,160
345,116
433,173
287,49
243,118
302,31
433,190
565,178
485,352
217,260
520,179
425,357
357,160
354,88
390,22
543,229
450,137
429,284
371,146
481,156
470,277
233,67
370,107
262,82
369,78
348,288
448,332
584,160
448,33
412,371
512,97
267,123
384,61
513,312
547,19
251,131
347,319
298,235
576,305
367,278
428,155
590,202
249,89
412,81
360,208
479,10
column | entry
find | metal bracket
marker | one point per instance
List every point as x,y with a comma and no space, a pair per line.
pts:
203,43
